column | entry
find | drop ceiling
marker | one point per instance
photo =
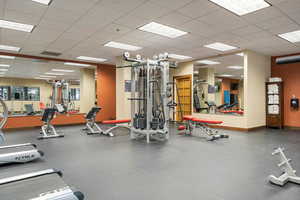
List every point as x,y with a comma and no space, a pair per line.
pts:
81,27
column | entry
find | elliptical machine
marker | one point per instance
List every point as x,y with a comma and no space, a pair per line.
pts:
19,153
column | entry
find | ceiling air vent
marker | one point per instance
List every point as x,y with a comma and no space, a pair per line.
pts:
288,59
50,53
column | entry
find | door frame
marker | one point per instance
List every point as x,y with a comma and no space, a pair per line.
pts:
189,76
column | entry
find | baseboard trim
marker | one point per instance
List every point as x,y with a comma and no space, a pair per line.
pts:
292,128
239,129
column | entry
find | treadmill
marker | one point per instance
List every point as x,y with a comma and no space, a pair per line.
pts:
19,153
39,185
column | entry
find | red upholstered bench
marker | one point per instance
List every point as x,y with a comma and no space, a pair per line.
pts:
121,121
181,128
206,121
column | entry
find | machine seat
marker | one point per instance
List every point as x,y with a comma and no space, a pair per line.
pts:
187,117
181,128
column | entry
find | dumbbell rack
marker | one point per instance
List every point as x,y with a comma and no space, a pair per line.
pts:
289,174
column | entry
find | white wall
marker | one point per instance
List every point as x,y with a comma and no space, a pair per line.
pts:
257,70
87,90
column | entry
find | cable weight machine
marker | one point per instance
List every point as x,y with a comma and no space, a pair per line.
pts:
150,110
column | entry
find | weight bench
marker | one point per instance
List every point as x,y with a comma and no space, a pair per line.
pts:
193,124
48,130
93,128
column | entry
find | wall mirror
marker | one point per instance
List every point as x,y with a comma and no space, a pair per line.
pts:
218,85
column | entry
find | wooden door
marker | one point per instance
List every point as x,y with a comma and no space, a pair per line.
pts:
183,96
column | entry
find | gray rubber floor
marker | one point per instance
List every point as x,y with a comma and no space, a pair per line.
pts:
182,168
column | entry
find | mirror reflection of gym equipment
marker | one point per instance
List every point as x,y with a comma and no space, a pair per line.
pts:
218,86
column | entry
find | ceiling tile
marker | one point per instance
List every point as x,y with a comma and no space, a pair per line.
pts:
223,19
173,18
263,14
150,10
198,8
172,4
246,30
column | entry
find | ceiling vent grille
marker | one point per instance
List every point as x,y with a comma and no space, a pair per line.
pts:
50,53
288,59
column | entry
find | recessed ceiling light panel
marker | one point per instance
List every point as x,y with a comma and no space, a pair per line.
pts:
44,76
208,62
63,70
45,2
235,67
76,64
55,74
242,7
91,59
163,30
291,36
7,57
240,54
220,46
4,65
9,48
16,26
4,70
179,57
225,75
123,46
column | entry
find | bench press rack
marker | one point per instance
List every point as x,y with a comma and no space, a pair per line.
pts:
289,174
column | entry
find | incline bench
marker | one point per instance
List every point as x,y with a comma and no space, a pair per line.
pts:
192,124
93,128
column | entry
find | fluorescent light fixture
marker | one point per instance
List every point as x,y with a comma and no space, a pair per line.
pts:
291,36
9,48
220,46
163,30
180,57
242,7
44,76
91,59
235,67
7,57
225,75
41,78
4,70
62,70
16,26
55,74
123,46
208,62
4,65
240,54
77,64
45,2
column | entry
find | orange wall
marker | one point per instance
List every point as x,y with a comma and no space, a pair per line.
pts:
290,74
106,91
35,121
